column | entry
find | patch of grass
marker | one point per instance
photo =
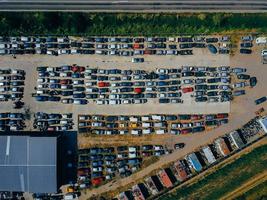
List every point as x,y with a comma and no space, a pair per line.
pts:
224,180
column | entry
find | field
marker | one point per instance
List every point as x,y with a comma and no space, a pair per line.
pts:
258,192
226,179
129,24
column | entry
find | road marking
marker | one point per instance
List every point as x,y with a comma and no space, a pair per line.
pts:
8,146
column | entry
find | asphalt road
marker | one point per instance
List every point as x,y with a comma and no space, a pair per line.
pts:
135,5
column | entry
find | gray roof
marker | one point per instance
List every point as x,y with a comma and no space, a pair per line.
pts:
28,164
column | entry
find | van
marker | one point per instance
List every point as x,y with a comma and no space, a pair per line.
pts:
261,40
147,131
136,132
133,119
158,117
146,124
160,131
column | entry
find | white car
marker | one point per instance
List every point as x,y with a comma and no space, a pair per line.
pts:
264,52
239,85
261,40
162,71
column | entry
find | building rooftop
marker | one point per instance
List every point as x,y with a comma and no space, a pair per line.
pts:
28,164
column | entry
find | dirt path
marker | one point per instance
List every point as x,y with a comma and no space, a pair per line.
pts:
256,180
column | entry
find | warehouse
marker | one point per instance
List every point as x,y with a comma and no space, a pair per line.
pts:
33,164
180,169
222,147
263,123
209,155
236,140
194,162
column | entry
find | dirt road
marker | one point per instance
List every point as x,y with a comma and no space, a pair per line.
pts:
260,178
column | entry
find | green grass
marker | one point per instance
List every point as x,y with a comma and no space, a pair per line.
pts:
29,23
257,193
224,180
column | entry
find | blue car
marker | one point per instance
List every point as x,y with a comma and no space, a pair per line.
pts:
53,98
41,98
212,48
163,76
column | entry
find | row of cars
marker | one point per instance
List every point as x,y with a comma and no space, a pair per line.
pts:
53,121
222,85
102,86
148,124
11,84
123,46
99,164
73,84
190,165
12,121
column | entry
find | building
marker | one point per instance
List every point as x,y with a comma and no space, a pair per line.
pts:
127,195
236,139
194,162
181,170
222,147
166,177
34,164
140,192
209,155
263,123
153,184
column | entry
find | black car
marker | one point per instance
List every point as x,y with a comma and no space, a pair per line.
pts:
212,40
164,100
172,46
179,145
186,45
201,87
243,76
53,98
186,52
239,92
252,81
260,100
212,93
245,51
78,95
201,99
246,45
185,39
200,74
198,129
211,123
199,45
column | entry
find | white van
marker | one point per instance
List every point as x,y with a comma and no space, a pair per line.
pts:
136,132
160,131
158,117
147,131
261,40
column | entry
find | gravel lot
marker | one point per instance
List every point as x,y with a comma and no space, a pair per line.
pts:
242,108
29,63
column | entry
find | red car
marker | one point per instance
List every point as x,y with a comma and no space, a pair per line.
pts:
97,181
196,117
222,115
138,90
103,84
189,89
186,130
65,81
76,68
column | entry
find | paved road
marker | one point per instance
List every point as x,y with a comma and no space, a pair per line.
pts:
136,5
